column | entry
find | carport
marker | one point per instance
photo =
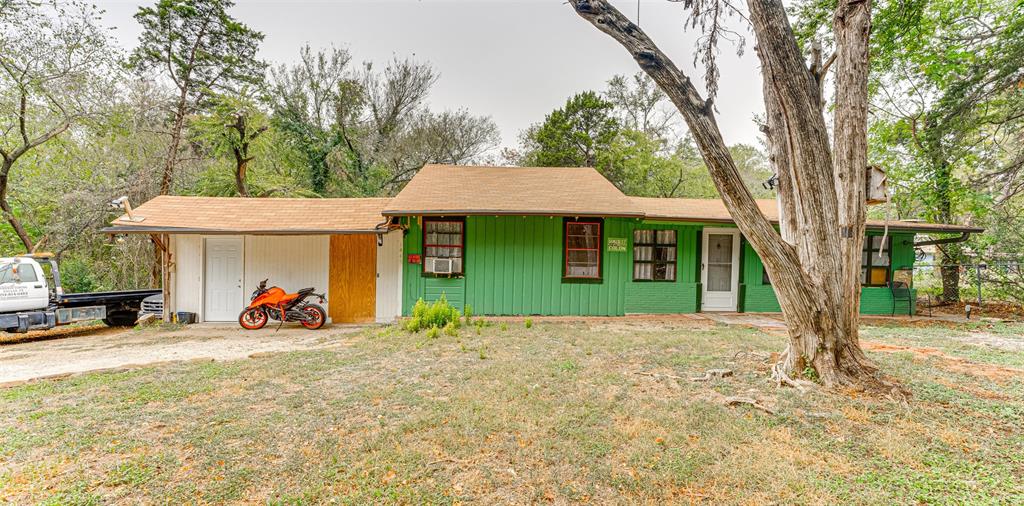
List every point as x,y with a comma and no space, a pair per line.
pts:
215,250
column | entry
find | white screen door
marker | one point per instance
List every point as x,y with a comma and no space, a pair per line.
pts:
223,279
720,261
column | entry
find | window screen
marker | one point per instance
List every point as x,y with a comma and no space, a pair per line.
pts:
654,255
582,250
442,246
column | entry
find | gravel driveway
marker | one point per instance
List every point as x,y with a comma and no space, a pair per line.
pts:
107,348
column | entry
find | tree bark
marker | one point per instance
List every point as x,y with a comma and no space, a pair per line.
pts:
241,166
952,254
821,192
167,178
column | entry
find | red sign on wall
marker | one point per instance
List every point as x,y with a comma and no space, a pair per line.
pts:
414,259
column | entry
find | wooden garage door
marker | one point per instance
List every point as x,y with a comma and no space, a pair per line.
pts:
353,283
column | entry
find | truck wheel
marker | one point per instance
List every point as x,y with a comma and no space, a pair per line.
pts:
121,319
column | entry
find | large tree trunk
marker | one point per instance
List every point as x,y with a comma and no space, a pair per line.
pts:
167,178
815,269
952,254
950,259
241,165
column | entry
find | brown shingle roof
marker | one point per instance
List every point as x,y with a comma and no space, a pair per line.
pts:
550,191
233,215
713,210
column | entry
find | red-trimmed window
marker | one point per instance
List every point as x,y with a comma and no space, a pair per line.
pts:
443,248
582,250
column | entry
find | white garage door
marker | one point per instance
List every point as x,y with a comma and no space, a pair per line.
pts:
223,279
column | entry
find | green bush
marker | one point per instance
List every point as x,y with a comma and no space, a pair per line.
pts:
468,313
433,332
529,322
440,314
451,329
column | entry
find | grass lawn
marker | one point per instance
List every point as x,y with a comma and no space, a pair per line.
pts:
555,412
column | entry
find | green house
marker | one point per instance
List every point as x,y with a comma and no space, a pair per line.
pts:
565,241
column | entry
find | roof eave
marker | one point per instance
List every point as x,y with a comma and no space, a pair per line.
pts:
493,212
896,226
211,231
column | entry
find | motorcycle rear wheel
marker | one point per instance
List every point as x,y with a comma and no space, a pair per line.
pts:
316,316
252,319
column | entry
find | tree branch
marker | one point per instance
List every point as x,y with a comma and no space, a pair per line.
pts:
695,110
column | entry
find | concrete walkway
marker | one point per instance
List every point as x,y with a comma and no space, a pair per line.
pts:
766,322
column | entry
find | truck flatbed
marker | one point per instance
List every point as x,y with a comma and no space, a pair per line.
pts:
105,298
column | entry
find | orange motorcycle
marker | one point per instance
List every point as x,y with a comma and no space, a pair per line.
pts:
274,303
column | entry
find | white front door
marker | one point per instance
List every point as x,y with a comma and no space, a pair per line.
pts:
719,275
223,294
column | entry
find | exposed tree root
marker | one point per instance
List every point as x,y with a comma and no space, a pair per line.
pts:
736,400
713,373
857,373
659,375
781,377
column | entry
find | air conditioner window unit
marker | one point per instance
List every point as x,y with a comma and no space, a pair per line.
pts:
442,266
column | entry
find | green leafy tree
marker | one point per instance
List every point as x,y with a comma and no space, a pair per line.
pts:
628,135
304,96
947,107
234,126
367,131
574,135
55,70
202,50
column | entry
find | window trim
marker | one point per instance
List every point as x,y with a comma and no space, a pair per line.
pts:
566,278
655,245
423,245
872,253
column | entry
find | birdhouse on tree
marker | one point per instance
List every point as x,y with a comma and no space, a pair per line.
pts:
877,191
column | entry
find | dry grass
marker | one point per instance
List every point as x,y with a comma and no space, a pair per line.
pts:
554,413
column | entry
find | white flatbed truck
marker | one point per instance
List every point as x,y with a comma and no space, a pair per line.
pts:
29,301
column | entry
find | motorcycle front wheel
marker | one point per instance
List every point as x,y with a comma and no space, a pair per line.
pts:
252,319
315,317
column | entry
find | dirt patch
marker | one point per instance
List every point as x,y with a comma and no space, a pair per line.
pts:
58,333
1000,342
1008,311
115,348
948,362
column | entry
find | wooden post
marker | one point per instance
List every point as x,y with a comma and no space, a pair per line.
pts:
162,242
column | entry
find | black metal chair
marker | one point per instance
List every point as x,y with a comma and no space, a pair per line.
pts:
901,293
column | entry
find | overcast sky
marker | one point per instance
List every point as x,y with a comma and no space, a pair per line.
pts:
512,60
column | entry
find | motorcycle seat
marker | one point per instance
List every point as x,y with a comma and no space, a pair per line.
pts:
305,291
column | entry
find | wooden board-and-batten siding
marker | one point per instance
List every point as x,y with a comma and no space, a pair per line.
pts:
353,278
513,267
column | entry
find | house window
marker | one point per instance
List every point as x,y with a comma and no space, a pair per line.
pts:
874,267
443,246
582,250
654,255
